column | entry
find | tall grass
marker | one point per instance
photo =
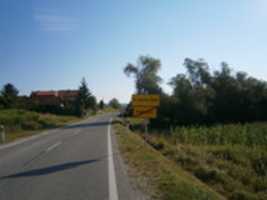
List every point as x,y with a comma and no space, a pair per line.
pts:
230,158
250,134
15,120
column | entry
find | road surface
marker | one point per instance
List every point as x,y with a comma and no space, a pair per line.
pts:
77,162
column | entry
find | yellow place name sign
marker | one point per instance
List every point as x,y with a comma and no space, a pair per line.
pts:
145,100
145,112
145,106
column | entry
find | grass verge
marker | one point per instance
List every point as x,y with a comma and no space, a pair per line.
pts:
157,175
21,123
230,158
235,171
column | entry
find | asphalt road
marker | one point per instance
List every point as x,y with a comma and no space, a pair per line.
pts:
77,162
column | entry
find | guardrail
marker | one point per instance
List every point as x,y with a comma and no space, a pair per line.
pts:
2,134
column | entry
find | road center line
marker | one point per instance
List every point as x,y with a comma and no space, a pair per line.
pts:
76,132
53,147
113,192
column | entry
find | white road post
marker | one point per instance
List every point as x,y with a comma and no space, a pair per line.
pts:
146,130
2,134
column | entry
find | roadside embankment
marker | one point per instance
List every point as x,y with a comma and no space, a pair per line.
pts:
22,123
156,174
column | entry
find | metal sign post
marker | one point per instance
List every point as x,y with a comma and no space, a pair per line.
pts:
145,107
146,131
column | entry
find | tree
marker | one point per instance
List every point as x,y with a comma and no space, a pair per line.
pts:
2,102
86,101
101,104
114,103
9,95
201,96
146,75
24,102
222,96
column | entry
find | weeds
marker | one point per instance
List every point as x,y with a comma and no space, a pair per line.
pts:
251,134
235,171
17,122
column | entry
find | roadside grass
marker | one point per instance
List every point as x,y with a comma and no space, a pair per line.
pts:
231,159
107,110
236,172
249,134
22,123
20,134
156,174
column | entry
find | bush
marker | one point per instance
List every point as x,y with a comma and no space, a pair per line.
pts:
14,120
30,125
227,168
260,164
209,175
242,195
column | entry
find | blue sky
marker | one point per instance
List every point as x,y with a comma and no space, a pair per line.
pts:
52,44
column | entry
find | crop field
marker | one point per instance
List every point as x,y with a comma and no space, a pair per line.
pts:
250,134
231,159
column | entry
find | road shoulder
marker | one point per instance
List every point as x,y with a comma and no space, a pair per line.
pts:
127,185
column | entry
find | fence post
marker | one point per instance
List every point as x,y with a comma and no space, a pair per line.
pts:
2,134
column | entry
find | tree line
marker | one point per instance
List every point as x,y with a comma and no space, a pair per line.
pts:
201,96
84,103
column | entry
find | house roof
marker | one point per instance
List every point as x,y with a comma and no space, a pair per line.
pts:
60,93
45,93
68,93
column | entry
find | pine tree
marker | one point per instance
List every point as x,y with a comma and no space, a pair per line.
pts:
86,101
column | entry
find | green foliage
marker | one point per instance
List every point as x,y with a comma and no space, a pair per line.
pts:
159,176
249,134
145,73
17,120
86,101
2,102
241,195
101,105
235,170
9,96
24,102
222,96
201,96
114,103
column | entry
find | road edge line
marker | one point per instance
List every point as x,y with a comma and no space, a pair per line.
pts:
113,191
50,148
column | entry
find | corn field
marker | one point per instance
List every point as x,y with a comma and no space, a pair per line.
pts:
251,134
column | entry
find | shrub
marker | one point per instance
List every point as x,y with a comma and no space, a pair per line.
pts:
30,125
242,195
14,120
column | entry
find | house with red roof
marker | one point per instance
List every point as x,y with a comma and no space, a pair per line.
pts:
54,98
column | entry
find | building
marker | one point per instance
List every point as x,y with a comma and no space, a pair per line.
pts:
68,95
54,98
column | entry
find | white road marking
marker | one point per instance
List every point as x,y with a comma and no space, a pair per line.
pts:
27,139
53,147
113,192
74,133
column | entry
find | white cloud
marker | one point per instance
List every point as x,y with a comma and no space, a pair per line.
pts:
52,22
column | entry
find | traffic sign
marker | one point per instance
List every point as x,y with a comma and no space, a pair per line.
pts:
145,100
145,112
145,106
